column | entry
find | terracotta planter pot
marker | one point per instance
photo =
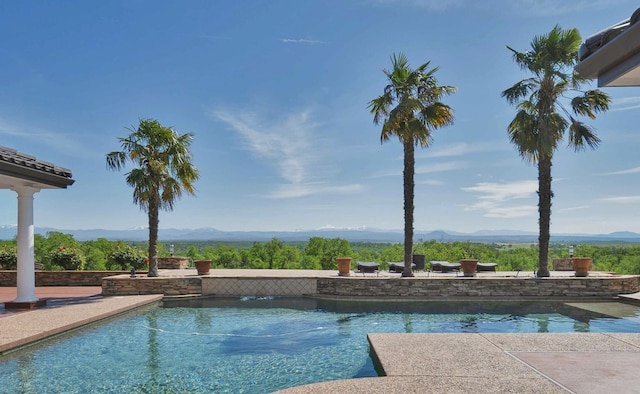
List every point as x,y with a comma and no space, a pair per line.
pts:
469,266
581,265
344,266
203,266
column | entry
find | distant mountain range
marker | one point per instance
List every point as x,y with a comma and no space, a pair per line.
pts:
355,235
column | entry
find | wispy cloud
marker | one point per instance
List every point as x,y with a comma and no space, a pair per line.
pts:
308,189
60,142
430,182
634,170
460,149
423,169
518,211
625,104
288,144
282,142
439,167
570,209
493,198
300,41
622,199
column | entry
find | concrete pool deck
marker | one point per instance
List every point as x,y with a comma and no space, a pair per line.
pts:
413,363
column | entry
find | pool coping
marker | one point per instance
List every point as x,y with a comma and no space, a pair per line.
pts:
19,330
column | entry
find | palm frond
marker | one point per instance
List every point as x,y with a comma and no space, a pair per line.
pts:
519,90
582,136
590,103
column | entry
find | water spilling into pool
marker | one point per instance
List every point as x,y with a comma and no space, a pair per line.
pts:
261,345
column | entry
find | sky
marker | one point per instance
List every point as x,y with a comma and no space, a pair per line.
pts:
275,93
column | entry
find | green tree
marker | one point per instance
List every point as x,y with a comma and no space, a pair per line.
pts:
326,251
164,171
226,257
417,112
542,119
97,253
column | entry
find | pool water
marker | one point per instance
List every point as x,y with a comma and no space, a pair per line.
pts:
261,345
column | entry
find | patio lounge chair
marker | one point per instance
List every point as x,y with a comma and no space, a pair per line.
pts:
486,267
364,266
444,266
398,266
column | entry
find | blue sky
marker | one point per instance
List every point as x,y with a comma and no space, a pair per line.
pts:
276,95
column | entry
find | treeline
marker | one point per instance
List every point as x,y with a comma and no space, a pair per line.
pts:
58,251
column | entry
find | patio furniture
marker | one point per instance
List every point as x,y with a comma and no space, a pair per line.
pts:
444,266
420,262
365,266
398,266
487,267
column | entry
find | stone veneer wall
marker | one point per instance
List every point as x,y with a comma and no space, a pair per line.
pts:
60,278
174,262
479,287
142,284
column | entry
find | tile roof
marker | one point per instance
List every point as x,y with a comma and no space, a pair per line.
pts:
21,159
23,166
600,39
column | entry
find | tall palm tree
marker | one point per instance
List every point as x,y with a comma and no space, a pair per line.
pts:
417,112
164,172
542,118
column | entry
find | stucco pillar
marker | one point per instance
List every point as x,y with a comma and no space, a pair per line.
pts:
26,283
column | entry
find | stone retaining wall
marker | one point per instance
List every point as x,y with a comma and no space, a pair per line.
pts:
142,284
174,262
479,287
60,278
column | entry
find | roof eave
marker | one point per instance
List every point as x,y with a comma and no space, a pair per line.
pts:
36,176
613,61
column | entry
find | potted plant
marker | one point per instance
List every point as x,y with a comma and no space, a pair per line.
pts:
344,266
203,266
126,256
469,266
581,265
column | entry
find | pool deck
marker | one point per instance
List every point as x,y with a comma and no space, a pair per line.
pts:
413,363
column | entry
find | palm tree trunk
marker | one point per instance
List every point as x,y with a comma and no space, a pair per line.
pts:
153,236
544,209
409,190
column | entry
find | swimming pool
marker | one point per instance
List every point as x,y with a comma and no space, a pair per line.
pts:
261,345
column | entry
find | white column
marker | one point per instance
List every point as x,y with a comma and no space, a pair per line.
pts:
26,283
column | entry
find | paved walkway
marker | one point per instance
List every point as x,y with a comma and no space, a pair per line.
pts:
67,308
497,363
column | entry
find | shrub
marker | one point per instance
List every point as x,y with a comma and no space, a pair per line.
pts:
68,258
8,258
125,257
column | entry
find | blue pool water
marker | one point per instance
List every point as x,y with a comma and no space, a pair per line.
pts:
262,345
